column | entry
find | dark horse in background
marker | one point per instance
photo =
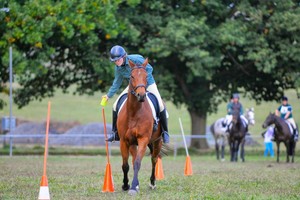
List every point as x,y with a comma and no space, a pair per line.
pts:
135,128
282,133
237,134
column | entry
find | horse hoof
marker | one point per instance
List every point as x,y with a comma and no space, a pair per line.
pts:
125,188
152,187
132,192
223,159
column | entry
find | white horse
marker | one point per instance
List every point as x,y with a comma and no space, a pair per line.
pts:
220,134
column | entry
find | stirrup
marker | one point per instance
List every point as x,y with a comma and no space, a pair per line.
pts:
113,138
166,137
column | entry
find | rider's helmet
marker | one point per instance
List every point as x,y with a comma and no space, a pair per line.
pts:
117,52
236,96
284,98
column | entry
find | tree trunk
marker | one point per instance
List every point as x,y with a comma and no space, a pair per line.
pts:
198,128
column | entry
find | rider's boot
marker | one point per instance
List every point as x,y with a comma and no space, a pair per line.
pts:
296,135
115,135
164,126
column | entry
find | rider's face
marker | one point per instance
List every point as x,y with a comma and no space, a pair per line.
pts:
284,102
119,62
235,100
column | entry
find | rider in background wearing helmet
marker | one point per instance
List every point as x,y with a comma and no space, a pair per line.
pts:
285,112
235,106
119,56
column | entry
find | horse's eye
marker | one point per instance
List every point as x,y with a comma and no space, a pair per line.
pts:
132,77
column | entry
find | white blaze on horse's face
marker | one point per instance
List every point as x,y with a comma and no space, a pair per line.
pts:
250,116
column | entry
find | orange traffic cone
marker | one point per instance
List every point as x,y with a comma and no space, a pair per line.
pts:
44,189
188,167
159,172
108,185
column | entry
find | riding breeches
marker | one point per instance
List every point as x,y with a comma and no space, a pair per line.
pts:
292,122
228,119
151,88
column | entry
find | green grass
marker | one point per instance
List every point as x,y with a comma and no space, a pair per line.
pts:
85,109
81,177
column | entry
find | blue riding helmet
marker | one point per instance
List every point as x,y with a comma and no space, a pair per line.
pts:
284,98
117,52
236,95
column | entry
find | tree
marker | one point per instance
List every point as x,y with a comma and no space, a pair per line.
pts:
57,44
206,50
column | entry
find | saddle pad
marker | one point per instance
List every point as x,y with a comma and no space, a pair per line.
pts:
153,102
290,127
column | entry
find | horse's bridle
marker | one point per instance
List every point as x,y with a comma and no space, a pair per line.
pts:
138,86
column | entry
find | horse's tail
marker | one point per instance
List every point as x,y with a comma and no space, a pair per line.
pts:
212,129
292,144
166,149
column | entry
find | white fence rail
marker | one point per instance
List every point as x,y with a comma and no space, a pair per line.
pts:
82,140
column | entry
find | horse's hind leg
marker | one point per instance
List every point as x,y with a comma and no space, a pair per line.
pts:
293,151
243,151
154,157
125,166
287,151
278,151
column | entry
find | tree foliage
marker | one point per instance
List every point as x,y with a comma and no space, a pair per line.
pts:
57,44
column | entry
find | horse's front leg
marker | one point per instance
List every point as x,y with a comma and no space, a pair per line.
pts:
125,167
231,151
223,149
236,150
217,148
137,165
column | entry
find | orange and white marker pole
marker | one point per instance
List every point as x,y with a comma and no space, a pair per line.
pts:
108,185
188,171
44,189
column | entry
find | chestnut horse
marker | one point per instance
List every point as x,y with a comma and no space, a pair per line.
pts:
135,128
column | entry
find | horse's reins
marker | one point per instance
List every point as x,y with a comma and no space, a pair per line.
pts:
138,86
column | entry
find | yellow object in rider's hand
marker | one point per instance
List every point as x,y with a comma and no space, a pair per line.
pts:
103,101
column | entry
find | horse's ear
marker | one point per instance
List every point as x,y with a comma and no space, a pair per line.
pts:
131,64
145,63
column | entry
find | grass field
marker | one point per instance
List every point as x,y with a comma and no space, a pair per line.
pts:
81,177
86,109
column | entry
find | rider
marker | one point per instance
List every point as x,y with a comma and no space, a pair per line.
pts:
235,106
119,56
285,112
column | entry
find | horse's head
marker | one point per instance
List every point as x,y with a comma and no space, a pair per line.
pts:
250,116
269,120
236,118
138,80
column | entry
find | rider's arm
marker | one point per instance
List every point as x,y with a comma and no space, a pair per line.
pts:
277,111
288,112
116,84
241,110
287,115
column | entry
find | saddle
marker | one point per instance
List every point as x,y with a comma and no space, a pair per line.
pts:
153,102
